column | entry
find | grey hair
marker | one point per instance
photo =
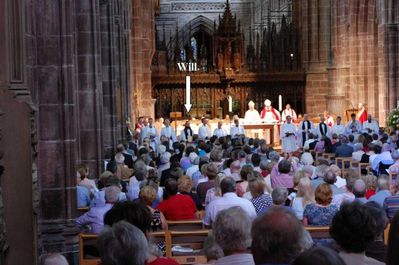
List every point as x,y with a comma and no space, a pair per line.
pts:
112,193
119,158
123,243
359,189
53,259
330,177
307,159
357,147
263,164
274,156
321,170
383,183
279,195
232,230
140,170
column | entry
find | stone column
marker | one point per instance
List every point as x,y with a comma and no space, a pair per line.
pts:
90,90
142,48
55,87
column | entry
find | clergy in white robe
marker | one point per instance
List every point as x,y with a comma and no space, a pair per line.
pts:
219,131
150,132
354,126
305,127
370,126
204,130
251,115
288,112
236,130
288,142
169,133
338,128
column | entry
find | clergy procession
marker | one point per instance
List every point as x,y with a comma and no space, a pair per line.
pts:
290,130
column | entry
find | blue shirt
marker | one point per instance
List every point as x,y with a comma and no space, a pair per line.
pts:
318,215
380,196
83,196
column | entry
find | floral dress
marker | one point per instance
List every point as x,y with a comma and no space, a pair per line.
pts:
318,215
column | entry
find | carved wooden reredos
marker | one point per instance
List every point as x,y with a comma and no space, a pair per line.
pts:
248,56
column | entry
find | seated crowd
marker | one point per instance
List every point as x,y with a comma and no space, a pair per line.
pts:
256,201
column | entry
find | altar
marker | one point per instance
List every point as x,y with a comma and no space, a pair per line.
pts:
262,126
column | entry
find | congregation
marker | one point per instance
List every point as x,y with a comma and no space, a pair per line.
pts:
256,200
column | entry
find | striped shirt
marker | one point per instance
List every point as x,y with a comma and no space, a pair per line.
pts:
391,205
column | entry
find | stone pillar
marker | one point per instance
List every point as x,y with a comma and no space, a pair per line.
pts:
313,18
142,48
90,90
55,86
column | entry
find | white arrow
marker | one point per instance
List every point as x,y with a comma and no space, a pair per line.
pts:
188,94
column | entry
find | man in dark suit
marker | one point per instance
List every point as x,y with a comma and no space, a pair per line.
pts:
343,150
120,148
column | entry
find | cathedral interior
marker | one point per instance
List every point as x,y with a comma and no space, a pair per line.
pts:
76,73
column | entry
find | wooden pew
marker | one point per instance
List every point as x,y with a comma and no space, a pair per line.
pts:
85,240
341,162
386,234
187,225
318,232
330,157
191,239
359,167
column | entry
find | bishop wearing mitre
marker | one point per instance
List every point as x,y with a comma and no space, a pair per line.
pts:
251,115
270,114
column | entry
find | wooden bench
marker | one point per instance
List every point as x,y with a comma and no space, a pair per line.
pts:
189,239
341,162
187,225
87,240
318,232
330,157
356,165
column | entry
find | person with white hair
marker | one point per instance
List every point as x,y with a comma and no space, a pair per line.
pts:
383,191
53,259
95,216
233,234
164,163
288,111
123,243
270,114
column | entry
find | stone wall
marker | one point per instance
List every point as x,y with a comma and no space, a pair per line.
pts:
64,100
350,52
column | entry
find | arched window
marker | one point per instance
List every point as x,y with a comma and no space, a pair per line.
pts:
182,55
194,48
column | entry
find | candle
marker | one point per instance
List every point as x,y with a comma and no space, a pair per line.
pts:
230,104
280,102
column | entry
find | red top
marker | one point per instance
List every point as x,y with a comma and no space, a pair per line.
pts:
369,193
163,261
178,207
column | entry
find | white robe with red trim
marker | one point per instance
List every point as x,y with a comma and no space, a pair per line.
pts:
270,114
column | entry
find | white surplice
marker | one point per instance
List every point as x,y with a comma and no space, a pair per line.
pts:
288,143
